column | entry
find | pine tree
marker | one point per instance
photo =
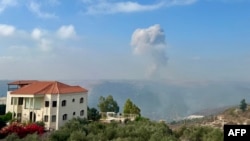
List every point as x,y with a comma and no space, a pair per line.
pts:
243,105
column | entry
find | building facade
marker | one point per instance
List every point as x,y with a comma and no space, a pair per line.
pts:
52,102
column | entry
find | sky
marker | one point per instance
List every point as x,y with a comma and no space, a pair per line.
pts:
179,40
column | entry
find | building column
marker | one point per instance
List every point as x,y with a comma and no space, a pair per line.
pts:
33,114
29,109
58,121
13,102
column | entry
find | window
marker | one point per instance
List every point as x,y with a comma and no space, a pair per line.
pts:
81,112
13,101
81,100
65,117
46,118
54,104
20,101
46,103
53,118
74,113
73,100
64,103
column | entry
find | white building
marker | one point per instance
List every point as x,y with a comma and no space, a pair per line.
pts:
52,102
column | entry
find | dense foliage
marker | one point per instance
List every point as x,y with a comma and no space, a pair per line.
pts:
6,117
93,114
140,130
108,104
131,108
199,133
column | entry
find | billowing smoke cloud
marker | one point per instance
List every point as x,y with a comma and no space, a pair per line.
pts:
151,41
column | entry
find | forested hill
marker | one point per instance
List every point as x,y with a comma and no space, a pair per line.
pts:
163,99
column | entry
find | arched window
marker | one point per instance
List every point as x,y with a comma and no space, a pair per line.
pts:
81,112
81,100
63,103
73,100
65,117
74,113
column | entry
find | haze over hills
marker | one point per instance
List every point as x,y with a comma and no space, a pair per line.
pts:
163,99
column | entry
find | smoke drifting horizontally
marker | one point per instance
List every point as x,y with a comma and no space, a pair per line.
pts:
151,41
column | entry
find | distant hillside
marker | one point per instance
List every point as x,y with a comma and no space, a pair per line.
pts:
235,116
163,99
232,115
212,111
168,101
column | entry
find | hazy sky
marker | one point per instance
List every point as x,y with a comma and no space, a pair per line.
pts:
119,39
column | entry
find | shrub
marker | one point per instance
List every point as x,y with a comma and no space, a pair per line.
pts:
6,117
77,136
34,128
31,137
40,123
12,137
60,135
204,133
21,130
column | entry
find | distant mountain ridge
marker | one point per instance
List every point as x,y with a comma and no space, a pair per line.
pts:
3,87
162,99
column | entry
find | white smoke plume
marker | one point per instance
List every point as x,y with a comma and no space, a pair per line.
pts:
151,41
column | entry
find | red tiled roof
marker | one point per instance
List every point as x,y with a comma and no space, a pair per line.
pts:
22,82
48,87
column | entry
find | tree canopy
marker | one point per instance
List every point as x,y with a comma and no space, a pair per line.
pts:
131,108
108,104
93,114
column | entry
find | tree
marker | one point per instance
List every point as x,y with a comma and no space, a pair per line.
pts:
108,104
243,105
131,108
93,114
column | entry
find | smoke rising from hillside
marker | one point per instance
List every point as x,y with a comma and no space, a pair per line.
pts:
151,41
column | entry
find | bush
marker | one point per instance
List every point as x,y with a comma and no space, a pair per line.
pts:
7,117
140,118
21,130
201,133
60,135
12,137
31,137
40,123
77,136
